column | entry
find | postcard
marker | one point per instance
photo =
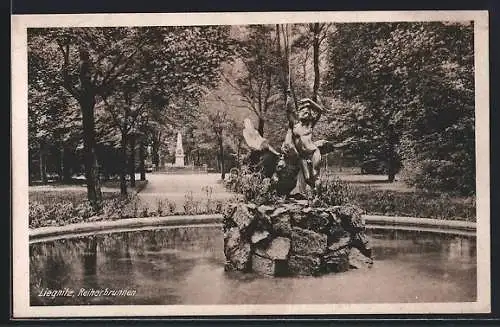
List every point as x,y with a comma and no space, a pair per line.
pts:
272,163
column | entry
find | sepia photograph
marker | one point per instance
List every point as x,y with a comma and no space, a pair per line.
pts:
250,163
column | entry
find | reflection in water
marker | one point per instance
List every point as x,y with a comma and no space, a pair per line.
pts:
461,249
90,257
185,265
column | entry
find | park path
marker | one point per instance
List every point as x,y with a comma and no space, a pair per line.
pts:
175,187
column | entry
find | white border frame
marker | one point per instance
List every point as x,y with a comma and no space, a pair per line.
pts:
20,23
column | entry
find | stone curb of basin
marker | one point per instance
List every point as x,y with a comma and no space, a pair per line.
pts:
136,224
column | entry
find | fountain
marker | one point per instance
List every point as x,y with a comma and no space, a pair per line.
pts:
295,235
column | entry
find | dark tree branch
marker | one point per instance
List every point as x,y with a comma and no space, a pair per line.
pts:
110,76
66,78
246,98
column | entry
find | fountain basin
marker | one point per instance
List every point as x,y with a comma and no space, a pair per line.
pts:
170,262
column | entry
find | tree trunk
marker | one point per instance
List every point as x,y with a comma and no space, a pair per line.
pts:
222,168
94,194
132,161
31,168
66,169
238,153
123,170
391,155
60,167
155,148
316,62
261,126
42,163
142,166
87,104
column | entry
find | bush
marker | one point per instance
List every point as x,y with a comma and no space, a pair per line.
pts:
440,175
128,206
253,186
191,206
331,191
37,214
58,213
414,204
85,210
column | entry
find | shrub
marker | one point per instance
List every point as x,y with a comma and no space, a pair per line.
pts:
62,211
191,206
440,175
253,186
331,191
127,206
414,204
84,210
37,214
160,208
171,206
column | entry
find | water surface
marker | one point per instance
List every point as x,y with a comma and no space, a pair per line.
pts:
185,265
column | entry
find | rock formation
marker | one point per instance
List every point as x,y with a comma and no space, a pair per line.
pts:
292,238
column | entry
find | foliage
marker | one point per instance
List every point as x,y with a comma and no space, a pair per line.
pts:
62,208
253,186
216,132
416,77
331,191
414,204
59,213
440,175
256,75
133,68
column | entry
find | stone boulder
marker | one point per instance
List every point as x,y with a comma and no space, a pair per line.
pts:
271,259
304,265
306,242
242,216
317,221
281,224
293,237
236,250
277,249
359,261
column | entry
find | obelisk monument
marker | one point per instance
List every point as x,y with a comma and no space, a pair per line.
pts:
179,152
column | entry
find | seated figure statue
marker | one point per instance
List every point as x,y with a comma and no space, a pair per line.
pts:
298,163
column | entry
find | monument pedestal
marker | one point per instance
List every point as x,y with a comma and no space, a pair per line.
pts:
179,160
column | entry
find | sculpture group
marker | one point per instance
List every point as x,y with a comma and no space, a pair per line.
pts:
293,236
296,166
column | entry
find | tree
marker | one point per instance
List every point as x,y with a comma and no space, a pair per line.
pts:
312,36
124,113
89,63
53,122
215,134
257,80
410,82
